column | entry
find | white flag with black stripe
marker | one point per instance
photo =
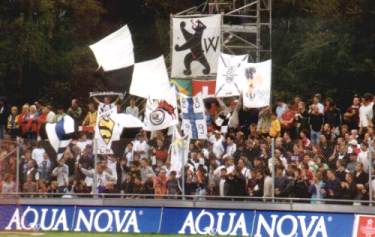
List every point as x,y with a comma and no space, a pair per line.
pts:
60,134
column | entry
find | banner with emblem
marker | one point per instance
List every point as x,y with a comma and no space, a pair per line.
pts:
196,45
193,117
161,113
257,86
105,128
230,75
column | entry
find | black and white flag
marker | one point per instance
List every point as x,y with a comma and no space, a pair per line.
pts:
230,77
196,45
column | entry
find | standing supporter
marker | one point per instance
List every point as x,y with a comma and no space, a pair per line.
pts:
351,116
132,108
13,125
4,113
332,114
217,144
61,172
316,103
23,120
89,122
51,116
45,168
264,122
366,112
75,111
302,118
275,128
37,153
316,121
160,183
280,108
287,121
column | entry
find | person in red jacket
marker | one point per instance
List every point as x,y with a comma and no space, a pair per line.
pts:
28,121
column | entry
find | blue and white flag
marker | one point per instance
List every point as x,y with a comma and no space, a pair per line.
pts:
193,117
60,134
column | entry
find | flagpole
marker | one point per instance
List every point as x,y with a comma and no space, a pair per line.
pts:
94,183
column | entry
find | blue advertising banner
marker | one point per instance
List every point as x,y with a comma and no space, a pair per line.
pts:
75,218
256,223
175,221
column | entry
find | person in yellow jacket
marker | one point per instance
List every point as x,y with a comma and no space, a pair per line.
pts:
275,128
89,122
13,125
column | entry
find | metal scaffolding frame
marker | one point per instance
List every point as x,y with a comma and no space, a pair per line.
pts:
246,25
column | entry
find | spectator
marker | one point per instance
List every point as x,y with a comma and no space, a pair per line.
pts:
13,125
51,116
160,183
75,111
132,108
45,167
316,121
30,186
172,184
61,172
366,112
90,119
280,108
316,103
275,128
38,153
332,186
4,113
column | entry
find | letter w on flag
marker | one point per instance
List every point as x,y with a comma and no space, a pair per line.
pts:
193,116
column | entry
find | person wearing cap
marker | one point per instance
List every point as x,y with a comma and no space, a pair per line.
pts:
12,124
366,112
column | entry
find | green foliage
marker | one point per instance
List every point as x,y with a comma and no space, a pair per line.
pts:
318,45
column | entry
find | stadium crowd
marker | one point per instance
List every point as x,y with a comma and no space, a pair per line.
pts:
320,152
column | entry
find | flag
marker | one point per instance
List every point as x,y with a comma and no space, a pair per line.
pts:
179,151
150,79
230,76
196,45
257,86
204,87
161,113
60,134
183,86
136,42
115,51
105,128
193,117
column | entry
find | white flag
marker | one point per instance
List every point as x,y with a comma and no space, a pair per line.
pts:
193,117
257,87
179,152
230,75
150,79
161,113
196,46
115,51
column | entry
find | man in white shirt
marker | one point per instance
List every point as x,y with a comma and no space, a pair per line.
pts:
50,114
104,176
231,146
366,111
132,109
140,146
217,144
316,102
363,157
61,172
37,154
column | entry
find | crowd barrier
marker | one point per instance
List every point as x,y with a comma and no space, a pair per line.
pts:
178,220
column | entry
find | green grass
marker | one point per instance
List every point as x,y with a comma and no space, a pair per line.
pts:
75,234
